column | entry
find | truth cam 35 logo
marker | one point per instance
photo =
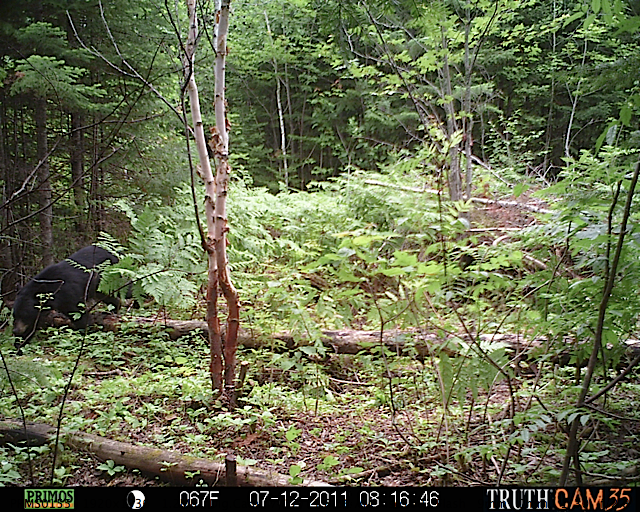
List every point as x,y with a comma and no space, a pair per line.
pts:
579,498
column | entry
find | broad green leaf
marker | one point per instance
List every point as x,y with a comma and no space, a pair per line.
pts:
625,115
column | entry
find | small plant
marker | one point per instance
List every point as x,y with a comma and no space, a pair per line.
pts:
62,474
8,473
110,468
327,463
294,471
290,435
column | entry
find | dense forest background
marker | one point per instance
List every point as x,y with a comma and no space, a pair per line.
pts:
315,92
360,131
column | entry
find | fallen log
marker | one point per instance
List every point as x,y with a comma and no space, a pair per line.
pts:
169,466
350,341
346,341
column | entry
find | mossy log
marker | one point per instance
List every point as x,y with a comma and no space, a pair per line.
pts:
169,466
345,341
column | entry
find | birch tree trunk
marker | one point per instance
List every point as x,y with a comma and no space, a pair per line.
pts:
283,140
216,190
574,105
223,170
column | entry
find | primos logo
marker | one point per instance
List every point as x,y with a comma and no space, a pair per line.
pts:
49,498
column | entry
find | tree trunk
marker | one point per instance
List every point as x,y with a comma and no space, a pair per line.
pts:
468,120
46,214
454,178
283,140
76,157
213,323
94,193
216,190
574,105
222,187
548,156
8,242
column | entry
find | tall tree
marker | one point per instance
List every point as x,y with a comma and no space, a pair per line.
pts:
92,114
216,190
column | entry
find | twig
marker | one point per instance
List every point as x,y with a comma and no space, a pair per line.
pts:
624,372
133,72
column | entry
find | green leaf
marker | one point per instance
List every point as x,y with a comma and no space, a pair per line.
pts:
588,21
346,252
294,470
572,18
347,276
625,115
328,462
292,433
628,25
392,272
404,259
364,240
519,189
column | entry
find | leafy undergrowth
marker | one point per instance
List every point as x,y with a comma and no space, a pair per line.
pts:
468,411
340,420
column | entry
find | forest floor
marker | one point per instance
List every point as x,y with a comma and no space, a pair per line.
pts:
387,448
357,437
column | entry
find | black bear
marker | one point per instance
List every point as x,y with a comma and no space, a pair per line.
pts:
63,287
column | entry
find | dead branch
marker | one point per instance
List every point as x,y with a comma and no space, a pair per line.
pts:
481,200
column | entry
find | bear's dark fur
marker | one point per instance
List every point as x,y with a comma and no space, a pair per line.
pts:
66,286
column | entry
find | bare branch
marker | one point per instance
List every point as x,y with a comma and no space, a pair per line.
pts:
133,73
